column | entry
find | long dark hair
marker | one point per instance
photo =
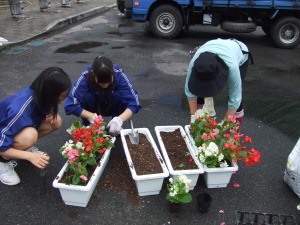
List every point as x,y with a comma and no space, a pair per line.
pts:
103,70
47,88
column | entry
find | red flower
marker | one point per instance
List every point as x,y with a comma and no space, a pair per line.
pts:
248,139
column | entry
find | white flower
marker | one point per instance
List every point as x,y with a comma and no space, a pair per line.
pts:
172,194
171,180
220,157
79,145
201,113
202,158
69,131
223,164
298,207
213,148
200,149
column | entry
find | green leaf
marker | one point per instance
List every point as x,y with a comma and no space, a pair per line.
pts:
77,124
184,198
181,165
75,180
91,161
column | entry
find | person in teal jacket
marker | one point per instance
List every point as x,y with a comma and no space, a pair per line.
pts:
217,63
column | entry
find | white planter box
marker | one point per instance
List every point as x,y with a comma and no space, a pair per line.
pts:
77,195
149,184
214,177
218,177
191,174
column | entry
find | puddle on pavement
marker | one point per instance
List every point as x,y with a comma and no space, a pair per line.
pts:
80,47
17,50
115,33
118,47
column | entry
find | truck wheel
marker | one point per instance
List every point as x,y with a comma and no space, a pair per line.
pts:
166,21
286,32
238,27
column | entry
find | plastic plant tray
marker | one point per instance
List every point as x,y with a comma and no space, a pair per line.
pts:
258,218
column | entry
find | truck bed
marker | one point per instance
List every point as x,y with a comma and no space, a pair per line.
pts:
274,4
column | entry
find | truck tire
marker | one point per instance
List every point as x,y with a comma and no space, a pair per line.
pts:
286,32
238,27
166,21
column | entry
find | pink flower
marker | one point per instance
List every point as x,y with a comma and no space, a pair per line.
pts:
232,119
83,177
213,133
205,136
72,153
223,223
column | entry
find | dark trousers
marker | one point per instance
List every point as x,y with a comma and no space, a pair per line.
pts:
243,71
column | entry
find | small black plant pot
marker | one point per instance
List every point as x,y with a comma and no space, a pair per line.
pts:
204,201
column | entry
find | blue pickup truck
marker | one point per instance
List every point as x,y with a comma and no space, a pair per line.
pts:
279,19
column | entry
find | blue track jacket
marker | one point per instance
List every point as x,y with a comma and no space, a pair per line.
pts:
17,112
84,96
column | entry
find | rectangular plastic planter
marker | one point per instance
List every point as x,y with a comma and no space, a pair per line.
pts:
78,195
214,177
149,184
193,175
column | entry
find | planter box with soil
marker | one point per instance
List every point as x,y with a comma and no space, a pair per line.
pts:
214,177
146,164
178,152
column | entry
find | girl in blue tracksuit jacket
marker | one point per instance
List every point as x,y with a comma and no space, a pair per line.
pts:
28,115
103,89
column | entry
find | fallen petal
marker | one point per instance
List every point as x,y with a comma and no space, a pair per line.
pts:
236,185
223,223
221,211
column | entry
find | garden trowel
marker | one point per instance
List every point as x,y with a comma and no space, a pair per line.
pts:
134,135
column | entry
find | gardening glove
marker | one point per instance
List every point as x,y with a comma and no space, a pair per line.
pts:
114,126
209,106
193,118
92,118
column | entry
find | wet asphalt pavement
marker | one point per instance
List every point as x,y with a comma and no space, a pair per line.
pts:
157,68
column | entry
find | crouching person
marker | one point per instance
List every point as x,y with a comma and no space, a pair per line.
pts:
30,114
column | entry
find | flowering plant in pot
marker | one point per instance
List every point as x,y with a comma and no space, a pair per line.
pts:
220,144
178,189
88,146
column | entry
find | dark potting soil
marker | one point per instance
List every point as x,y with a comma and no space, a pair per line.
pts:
143,157
177,150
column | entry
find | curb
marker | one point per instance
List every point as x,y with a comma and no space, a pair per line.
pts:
62,23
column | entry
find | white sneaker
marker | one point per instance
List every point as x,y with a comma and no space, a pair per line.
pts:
8,175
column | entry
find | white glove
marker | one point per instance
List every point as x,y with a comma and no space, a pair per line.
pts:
114,126
193,118
91,119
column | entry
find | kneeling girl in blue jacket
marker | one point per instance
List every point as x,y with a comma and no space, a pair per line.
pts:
103,89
